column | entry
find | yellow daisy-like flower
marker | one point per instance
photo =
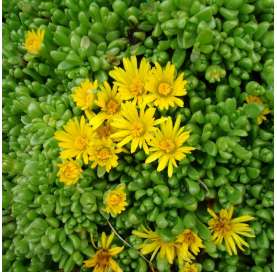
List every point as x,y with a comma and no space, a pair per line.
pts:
189,242
167,145
131,80
224,227
164,88
109,101
33,40
69,172
135,126
103,154
154,243
103,260
115,200
75,139
190,268
252,99
84,94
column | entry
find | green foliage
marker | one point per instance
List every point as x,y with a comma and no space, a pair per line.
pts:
224,48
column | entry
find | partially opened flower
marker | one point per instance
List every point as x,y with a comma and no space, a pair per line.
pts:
165,89
33,40
84,94
154,243
115,200
167,146
229,229
131,80
262,117
189,245
135,126
104,154
109,101
69,172
103,261
252,99
75,139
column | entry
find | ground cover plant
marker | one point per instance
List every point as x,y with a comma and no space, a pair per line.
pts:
137,135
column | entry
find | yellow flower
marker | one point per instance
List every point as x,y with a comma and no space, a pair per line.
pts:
75,140
33,40
109,101
135,127
115,200
190,268
167,145
252,99
103,260
131,81
224,227
69,172
189,242
165,88
154,243
103,153
84,94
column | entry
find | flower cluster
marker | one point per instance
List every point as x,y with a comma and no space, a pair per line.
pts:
124,115
184,247
187,245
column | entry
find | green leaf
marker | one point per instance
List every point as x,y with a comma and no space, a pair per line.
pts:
100,171
252,110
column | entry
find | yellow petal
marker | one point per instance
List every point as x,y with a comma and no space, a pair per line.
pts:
170,169
243,218
110,239
114,266
152,157
134,145
140,234
170,253
147,248
162,163
103,240
116,250
212,213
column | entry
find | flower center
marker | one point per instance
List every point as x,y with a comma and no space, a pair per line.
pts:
167,145
223,226
104,131
112,106
115,199
137,87
103,154
33,41
189,238
81,143
164,89
137,129
103,258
